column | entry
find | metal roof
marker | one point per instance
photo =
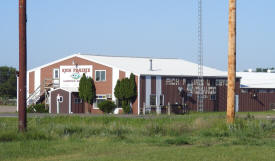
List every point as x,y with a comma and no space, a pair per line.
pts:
141,65
257,80
160,66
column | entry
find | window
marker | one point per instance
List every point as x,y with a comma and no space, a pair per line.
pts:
272,106
213,97
100,75
221,82
153,100
60,99
244,90
99,99
77,100
190,88
212,82
55,73
262,91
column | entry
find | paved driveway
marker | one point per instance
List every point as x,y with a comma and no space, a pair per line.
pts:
7,109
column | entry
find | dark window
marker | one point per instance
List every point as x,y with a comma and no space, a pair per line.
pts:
77,100
60,98
161,100
212,82
100,75
153,100
56,73
213,97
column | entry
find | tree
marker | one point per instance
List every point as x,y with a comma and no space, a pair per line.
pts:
8,82
87,91
133,88
125,91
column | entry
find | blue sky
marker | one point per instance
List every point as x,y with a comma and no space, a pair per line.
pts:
155,28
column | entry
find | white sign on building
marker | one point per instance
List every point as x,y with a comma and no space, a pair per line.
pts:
70,75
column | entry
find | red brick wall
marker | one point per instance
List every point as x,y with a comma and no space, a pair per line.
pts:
122,75
101,87
31,82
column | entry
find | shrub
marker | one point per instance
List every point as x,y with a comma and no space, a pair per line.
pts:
107,106
38,108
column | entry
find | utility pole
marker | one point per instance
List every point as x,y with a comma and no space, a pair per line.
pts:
22,66
231,62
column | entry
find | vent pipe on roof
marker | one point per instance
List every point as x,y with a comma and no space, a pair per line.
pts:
151,64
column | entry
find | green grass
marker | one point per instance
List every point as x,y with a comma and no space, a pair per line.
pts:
190,137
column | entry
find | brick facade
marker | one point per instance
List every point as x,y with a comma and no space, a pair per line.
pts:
31,82
104,87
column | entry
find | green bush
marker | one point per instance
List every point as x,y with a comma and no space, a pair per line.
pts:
38,108
107,106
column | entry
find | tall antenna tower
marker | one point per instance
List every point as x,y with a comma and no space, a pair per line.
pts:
200,83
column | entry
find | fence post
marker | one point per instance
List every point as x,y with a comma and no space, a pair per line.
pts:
169,108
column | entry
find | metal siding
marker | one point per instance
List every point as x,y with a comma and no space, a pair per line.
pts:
142,90
148,90
158,89
64,106
171,94
262,102
153,85
76,107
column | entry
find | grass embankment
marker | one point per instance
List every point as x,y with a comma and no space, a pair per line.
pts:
190,137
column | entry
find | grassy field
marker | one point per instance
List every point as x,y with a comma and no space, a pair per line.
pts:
193,137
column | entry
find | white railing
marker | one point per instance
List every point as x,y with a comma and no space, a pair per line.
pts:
34,97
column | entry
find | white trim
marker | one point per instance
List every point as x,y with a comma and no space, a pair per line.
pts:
127,74
138,93
100,75
147,90
115,77
61,99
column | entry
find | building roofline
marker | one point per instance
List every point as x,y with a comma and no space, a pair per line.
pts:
53,62
129,56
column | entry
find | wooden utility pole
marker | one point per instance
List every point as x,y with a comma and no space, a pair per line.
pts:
231,62
22,126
